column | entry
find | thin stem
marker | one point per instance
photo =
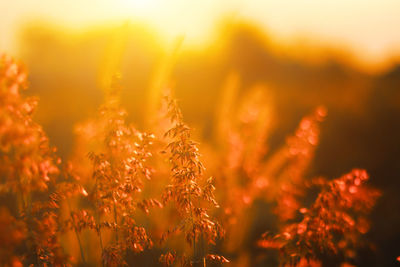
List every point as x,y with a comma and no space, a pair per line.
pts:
27,209
76,232
98,228
203,249
116,222
194,232
101,242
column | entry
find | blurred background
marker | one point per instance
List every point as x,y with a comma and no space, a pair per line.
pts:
341,54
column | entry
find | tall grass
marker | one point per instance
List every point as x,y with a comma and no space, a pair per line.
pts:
127,197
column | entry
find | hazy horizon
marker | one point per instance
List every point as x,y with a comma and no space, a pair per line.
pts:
364,28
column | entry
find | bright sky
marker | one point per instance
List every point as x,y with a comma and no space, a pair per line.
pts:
371,28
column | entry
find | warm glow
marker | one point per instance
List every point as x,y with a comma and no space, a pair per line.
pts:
367,27
199,133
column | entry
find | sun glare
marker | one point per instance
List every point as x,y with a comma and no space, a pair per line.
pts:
140,6
364,27
199,132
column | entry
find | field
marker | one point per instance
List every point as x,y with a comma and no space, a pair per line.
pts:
117,149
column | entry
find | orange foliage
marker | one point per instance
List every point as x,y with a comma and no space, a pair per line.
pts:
129,192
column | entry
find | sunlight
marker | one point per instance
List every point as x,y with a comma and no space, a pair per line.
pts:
198,133
140,5
365,27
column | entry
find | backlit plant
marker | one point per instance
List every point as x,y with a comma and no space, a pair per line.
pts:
119,200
